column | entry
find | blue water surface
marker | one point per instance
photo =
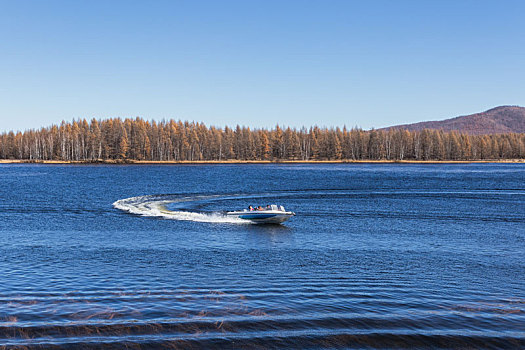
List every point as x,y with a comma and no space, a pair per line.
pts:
380,256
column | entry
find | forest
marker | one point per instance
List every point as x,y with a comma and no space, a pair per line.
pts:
139,139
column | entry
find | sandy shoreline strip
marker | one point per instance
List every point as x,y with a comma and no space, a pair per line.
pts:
233,161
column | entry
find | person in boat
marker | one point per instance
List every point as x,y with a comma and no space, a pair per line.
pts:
260,208
268,207
250,208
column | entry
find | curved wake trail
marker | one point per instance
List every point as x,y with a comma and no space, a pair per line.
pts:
156,206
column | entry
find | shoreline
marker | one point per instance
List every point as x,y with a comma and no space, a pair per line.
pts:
233,161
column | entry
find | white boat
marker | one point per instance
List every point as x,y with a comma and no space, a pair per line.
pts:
273,215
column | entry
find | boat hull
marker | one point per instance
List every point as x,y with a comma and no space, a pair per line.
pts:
263,217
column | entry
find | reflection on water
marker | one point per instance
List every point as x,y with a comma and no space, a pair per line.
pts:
215,317
269,235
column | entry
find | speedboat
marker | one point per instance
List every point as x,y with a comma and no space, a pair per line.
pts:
272,215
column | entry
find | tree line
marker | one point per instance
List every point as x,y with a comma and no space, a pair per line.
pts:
139,139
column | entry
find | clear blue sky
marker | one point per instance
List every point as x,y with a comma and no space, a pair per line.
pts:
258,63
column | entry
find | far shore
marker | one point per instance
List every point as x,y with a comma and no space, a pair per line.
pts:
234,161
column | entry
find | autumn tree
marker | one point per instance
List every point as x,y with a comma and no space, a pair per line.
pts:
82,140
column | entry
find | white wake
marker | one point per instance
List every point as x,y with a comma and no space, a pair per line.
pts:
156,206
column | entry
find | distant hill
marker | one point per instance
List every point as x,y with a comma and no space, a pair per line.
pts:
503,119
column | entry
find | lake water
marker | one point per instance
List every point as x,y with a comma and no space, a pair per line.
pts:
382,256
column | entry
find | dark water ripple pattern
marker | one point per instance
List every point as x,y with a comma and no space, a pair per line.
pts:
378,256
